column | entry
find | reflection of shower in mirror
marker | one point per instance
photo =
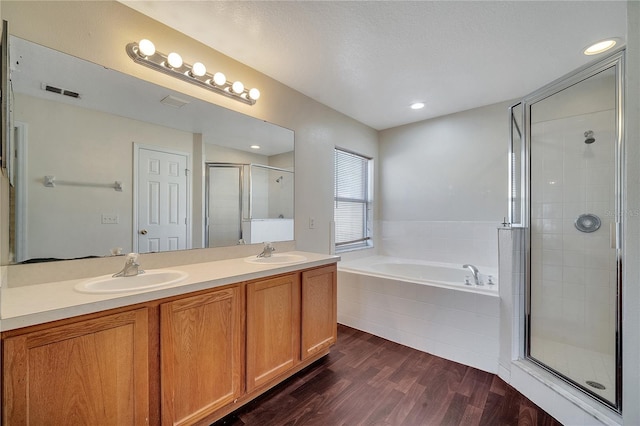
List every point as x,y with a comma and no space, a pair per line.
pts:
279,179
589,137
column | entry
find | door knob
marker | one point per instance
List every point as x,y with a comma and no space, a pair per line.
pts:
143,231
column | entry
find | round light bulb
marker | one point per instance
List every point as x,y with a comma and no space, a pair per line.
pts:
237,87
174,60
146,47
219,79
254,94
198,69
417,105
600,47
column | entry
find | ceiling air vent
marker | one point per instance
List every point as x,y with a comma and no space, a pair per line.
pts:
59,91
174,101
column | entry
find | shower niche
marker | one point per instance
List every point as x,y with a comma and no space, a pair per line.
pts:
566,192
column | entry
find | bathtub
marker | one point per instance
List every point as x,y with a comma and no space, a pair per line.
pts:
421,272
423,305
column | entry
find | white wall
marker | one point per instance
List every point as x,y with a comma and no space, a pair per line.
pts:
451,168
443,186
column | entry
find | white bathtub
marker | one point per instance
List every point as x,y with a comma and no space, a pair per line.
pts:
423,305
421,272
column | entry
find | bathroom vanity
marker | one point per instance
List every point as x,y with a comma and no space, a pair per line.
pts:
185,354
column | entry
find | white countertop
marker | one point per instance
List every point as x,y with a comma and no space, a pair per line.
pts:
36,304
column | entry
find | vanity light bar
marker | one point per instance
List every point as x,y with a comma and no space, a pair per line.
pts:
144,53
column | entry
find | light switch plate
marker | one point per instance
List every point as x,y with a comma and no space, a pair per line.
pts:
110,219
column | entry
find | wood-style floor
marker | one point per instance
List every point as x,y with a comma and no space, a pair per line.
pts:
367,380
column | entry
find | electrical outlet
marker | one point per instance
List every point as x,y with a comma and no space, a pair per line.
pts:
110,219
312,223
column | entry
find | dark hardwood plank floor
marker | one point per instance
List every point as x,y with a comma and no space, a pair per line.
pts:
367,380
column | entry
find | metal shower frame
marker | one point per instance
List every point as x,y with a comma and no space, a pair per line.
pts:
615,60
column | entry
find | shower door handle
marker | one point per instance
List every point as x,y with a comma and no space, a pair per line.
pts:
614,234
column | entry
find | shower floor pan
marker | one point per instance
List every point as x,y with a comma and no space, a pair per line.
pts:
579,364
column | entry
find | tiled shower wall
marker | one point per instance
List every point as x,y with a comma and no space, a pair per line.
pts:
572,272
441,241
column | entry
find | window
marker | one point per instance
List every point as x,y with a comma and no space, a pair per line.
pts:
352,206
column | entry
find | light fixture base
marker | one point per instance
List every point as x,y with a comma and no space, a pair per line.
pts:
158,61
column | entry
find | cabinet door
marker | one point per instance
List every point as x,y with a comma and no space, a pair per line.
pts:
93,372
319,310
201,344
273,328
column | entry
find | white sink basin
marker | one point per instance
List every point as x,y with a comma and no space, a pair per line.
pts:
150,279
276,259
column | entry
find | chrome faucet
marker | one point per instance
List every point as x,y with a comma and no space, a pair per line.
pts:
474,272
131,267
267,250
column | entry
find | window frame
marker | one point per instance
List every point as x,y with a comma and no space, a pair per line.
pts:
367,227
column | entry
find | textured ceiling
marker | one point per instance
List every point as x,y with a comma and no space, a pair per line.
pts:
371,59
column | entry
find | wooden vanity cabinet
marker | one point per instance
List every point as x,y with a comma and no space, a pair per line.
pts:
93,372
201,354
319,329
273,328
184,360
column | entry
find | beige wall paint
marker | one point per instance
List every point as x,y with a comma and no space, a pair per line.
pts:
99,31
97,148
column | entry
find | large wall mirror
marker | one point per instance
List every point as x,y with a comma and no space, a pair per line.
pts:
88,142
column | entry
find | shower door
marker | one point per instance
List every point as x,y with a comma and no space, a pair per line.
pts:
224,183
575,217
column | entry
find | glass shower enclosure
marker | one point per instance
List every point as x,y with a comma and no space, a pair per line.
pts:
566,191
247,204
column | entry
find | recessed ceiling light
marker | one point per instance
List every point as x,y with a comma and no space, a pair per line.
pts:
601,46
255,147
417,105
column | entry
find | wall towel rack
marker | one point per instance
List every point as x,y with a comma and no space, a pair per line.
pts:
51,182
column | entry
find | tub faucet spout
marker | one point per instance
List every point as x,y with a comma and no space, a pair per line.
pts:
474,272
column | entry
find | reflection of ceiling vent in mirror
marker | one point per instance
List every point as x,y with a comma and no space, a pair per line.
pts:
173,101
59,91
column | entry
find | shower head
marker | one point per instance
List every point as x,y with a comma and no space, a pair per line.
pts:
279,179
589,137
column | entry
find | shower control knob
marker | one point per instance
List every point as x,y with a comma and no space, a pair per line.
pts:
143,231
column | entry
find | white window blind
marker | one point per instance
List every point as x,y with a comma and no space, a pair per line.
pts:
351,208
